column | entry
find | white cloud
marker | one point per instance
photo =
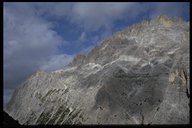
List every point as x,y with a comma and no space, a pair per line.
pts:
167,8
82,37
57,62
96,15
61,10
29,43
7,96
93,16
89,16
85,51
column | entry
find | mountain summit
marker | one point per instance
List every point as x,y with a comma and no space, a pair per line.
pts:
139,75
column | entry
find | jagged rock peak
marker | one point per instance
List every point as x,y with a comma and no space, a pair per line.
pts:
139,75
166,21
78,60
40,71
141,33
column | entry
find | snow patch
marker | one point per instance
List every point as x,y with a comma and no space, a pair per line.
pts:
129,58
64,70
144,64
148,63
152,41
92,66
162,60
104,47
130,37
70,109
125,58
135,120
172,51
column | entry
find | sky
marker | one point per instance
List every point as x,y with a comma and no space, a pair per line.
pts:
47,36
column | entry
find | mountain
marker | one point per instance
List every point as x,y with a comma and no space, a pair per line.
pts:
139,75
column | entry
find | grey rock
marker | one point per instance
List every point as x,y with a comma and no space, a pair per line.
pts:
139,75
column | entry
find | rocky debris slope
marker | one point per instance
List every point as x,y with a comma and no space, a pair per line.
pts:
139,75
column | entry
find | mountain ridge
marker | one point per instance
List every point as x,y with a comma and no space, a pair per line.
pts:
132,77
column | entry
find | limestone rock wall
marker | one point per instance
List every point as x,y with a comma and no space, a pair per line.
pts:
139,75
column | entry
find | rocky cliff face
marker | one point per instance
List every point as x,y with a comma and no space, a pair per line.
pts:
137,76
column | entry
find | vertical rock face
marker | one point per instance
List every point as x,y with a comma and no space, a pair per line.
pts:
139,75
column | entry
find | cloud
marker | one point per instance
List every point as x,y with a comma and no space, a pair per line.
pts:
88,16
82,37
57,62
29,42
61,10
169,8
96,15
93,16
7,96
85,51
